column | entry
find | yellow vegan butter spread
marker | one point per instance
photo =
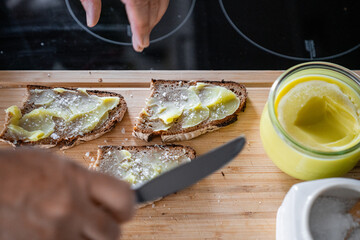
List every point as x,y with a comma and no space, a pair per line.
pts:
190,105
68,112
310,126
320,112
140,166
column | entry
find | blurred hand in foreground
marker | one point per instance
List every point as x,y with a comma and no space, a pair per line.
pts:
45,196
143,16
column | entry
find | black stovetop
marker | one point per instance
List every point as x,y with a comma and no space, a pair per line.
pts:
202,34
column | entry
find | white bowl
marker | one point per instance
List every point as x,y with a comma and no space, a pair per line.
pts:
292,221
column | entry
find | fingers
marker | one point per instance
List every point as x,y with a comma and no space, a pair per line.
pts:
93,10
154,6
113,195
99,225
143,15
139,18
162,6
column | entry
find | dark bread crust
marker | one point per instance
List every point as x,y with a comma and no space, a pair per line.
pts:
115,116
176,134
190,152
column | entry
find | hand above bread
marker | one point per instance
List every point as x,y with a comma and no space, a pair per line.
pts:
143,15
44,196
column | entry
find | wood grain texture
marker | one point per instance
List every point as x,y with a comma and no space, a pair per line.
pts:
241,203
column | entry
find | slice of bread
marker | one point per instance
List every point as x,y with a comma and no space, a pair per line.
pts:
141,156
61,138
143,127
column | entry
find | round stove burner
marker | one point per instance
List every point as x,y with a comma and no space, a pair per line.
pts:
297,30
113,26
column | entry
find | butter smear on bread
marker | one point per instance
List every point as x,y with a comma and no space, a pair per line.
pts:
190,106
139,165
59,110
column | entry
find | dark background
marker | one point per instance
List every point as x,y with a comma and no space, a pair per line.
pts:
42,35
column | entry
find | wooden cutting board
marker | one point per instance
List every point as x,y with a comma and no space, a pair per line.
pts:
237,202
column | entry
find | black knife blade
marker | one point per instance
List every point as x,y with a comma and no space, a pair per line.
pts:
189,173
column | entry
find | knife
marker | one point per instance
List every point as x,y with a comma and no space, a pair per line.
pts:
189,173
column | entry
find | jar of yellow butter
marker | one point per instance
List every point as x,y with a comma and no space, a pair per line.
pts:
310,126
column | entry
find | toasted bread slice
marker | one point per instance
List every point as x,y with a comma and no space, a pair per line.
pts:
143,127
144,162
60,136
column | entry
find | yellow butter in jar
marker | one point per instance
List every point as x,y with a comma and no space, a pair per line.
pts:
310,126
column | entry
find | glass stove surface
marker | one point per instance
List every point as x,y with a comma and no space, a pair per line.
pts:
300,30
202,34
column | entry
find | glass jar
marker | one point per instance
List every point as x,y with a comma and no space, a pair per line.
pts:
291,156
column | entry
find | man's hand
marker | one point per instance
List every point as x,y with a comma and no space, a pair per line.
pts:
44,196
143,15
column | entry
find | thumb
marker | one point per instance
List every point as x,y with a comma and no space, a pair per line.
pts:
113,195
93,10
